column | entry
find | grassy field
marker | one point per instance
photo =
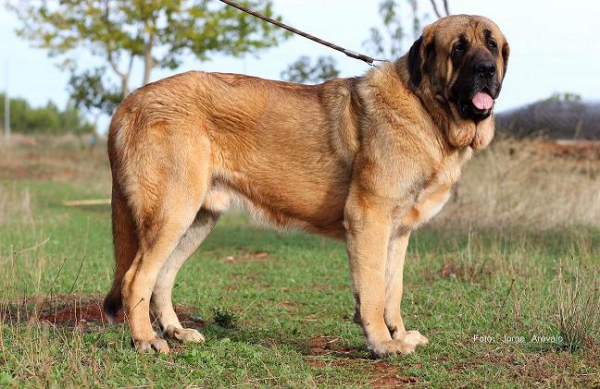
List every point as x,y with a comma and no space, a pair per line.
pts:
504,284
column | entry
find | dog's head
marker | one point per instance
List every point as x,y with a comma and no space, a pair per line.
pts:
460,61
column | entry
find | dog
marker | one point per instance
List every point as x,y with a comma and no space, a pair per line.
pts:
365,160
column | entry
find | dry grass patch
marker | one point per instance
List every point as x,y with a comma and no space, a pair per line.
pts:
519,184
64,159
15,206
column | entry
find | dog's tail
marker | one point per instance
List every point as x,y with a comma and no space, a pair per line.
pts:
124,238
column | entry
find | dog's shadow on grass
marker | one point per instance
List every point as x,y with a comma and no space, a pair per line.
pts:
314,347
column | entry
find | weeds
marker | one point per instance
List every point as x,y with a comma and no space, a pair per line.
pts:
578,308
224,317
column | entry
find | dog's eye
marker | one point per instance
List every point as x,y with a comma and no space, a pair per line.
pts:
459,48
492,44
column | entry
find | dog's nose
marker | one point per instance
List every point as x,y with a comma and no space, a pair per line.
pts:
486,68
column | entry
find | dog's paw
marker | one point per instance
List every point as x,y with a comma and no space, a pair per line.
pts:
146,346
414,338
183,334
405,344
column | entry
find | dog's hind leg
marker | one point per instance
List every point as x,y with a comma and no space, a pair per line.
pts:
126,247
166,189
157,243
161,303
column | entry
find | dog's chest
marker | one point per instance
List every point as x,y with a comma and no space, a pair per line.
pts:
437,191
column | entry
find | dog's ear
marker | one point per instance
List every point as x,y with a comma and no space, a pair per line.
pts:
505,55
421,53
415,62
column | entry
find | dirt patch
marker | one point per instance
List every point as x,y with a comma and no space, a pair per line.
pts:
75,313
389,377
70,311
327,345
465,271
290,306
383,374
320,343
579,150
259,257
394,381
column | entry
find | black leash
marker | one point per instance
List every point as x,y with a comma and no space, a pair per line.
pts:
349,53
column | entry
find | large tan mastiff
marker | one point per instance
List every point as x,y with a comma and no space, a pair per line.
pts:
365,160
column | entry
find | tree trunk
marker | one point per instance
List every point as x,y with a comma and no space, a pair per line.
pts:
124,85
148,66
124,75
148,60
437,11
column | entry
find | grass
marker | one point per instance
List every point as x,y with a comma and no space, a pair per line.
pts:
578,307
497,300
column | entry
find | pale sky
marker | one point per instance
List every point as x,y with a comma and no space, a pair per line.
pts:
555,47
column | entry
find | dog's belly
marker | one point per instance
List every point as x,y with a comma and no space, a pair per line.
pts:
296,184
317,210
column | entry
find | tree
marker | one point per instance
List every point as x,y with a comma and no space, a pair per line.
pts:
89,93
44,120
391,41
567,97
155,33
388,43
303,71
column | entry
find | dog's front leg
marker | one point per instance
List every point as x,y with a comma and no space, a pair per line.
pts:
394,270
369,226
393,292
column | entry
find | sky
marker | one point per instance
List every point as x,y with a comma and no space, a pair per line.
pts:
555,47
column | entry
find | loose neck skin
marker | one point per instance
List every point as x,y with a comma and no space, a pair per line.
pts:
460,133
433,101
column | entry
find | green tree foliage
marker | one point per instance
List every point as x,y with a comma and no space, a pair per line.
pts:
303,71
392,40
89,93
564,97
155,33
401,27
44,120
387,43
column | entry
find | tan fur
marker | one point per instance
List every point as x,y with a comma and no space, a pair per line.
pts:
366,160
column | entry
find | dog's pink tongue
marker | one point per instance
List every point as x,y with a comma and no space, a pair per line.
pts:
483,101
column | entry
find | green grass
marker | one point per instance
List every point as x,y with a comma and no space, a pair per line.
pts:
276,308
